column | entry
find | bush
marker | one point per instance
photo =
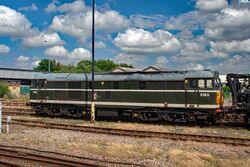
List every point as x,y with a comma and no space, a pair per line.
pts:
226,91
4,90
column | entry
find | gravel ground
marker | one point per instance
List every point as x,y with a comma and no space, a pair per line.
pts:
148,152
223,131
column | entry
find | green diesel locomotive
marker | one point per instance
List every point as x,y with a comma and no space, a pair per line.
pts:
174,96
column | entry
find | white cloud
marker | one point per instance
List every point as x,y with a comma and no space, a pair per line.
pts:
197,49
43,39
35,63
236,64
22,59
134,60
57,51
161,61
211,5
139,41
191,66
76,6
231,46
144,21
80,53
230,24
193,20
192,51
61,53
52,6
22,62
100,44
4,49
79,24
13,23
185,34
32,7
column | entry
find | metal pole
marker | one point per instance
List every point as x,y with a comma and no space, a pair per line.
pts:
0,117
93,65
49,61
8,124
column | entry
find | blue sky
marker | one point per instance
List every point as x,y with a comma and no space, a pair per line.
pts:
180,34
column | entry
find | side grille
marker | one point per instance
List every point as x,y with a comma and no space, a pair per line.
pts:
74,95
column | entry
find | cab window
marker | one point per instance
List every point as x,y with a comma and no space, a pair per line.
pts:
205,83
43,83
217,83
201,83
209,83
192,84
34,83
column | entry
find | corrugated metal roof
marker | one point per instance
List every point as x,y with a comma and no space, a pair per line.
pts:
169,76
7,73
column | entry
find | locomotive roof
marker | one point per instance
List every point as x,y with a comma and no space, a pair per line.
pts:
143,76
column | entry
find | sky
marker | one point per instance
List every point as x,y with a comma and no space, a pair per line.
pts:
178,35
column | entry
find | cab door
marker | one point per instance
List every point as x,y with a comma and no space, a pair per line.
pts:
41,90
192,93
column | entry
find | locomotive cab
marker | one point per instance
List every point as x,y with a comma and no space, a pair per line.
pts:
206,91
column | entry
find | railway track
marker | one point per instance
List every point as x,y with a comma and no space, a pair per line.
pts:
18,113
19,108
17,155
16,104
49,158
137,133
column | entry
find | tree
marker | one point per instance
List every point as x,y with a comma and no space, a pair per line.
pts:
44,65
126,65
83,66
69,68
105,65
4,89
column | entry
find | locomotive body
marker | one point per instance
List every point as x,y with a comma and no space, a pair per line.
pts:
174,96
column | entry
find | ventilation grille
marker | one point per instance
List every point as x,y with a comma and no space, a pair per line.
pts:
74,95
74,85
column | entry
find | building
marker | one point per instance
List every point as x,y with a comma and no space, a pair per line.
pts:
155,69
125,69
19,80
147,69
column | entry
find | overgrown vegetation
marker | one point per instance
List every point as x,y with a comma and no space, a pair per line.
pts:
4,90
226,91
83,66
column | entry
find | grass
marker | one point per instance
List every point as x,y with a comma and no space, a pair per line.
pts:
137,150
194,159
116,150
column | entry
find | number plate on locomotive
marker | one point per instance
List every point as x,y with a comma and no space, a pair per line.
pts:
204,95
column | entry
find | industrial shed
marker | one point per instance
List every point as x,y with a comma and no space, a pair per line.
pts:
19,80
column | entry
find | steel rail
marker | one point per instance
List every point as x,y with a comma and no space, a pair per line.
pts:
15,102
36,157
137,133
7,163
73,156
22,113
18,107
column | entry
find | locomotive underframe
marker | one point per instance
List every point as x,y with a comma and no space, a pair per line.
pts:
174,115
